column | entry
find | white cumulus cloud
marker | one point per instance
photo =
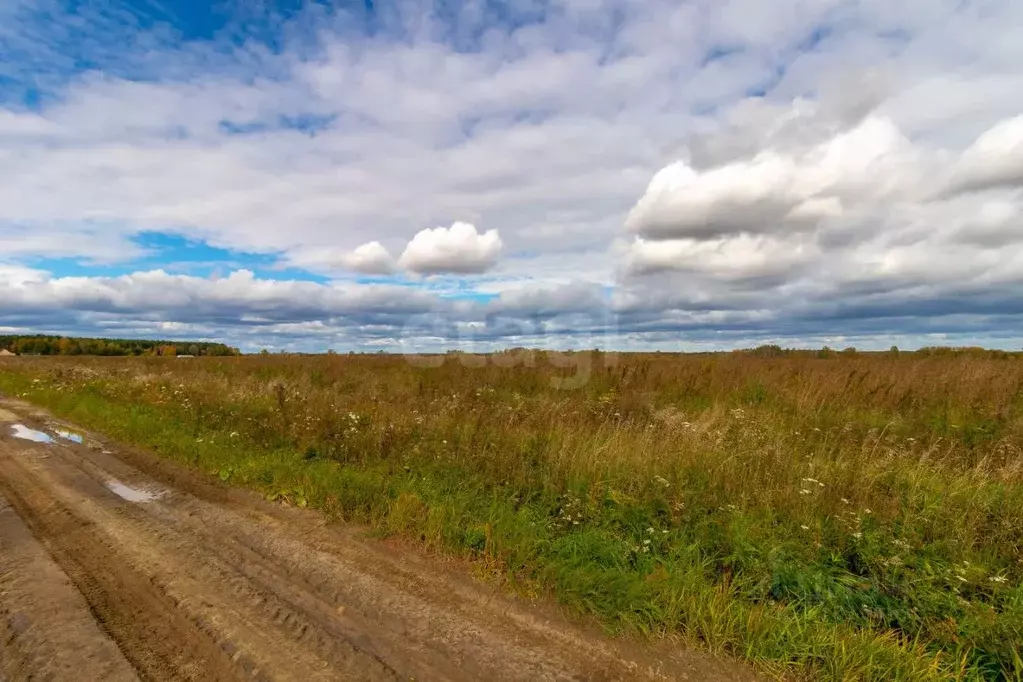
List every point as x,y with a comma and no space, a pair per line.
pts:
995,160
370,259
774,190
864,203
458,249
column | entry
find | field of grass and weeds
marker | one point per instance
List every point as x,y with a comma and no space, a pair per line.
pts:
843,517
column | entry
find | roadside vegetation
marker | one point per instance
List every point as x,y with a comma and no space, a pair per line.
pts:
823,515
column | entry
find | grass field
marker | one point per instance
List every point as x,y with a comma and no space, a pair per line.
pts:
851,517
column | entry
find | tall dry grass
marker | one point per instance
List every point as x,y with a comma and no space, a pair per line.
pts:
855,517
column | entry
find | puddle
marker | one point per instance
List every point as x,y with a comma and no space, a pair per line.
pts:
71,436
25,433
126,492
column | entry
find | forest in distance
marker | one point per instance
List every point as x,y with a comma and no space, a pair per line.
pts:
50,344
66,345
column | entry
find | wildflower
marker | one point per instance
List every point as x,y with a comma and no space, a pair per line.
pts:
998,579
867,511
845,501
961,579
575,523
646,542
804,491
234,434
805,527
650,530
857,535
664,532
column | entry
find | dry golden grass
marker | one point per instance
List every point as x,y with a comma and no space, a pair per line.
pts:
857,516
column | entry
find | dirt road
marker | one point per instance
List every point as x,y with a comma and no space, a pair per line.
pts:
116,565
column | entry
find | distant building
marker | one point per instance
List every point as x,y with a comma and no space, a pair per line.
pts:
6,353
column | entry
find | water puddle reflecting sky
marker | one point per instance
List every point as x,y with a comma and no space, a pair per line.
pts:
23,432
131,494
71,436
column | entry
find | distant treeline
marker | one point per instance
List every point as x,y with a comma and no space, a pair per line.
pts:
63,345
773,351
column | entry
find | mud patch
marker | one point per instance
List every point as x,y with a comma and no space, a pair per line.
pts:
7,417
126,492
23,432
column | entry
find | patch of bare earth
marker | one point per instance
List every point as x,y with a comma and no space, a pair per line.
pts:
117,565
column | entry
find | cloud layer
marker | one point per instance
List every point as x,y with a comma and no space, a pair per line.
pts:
658,173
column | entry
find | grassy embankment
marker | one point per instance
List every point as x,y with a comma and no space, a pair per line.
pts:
846,518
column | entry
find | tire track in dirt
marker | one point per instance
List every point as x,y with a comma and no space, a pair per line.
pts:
46,629
152,633
197,581
222,625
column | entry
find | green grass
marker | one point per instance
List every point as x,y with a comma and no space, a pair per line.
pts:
853,518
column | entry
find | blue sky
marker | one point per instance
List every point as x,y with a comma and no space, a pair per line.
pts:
558,173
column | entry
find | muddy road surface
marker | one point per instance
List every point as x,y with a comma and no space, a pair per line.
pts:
117,565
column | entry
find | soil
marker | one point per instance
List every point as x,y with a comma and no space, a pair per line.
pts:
118,565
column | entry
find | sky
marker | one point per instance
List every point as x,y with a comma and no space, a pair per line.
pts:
421,175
